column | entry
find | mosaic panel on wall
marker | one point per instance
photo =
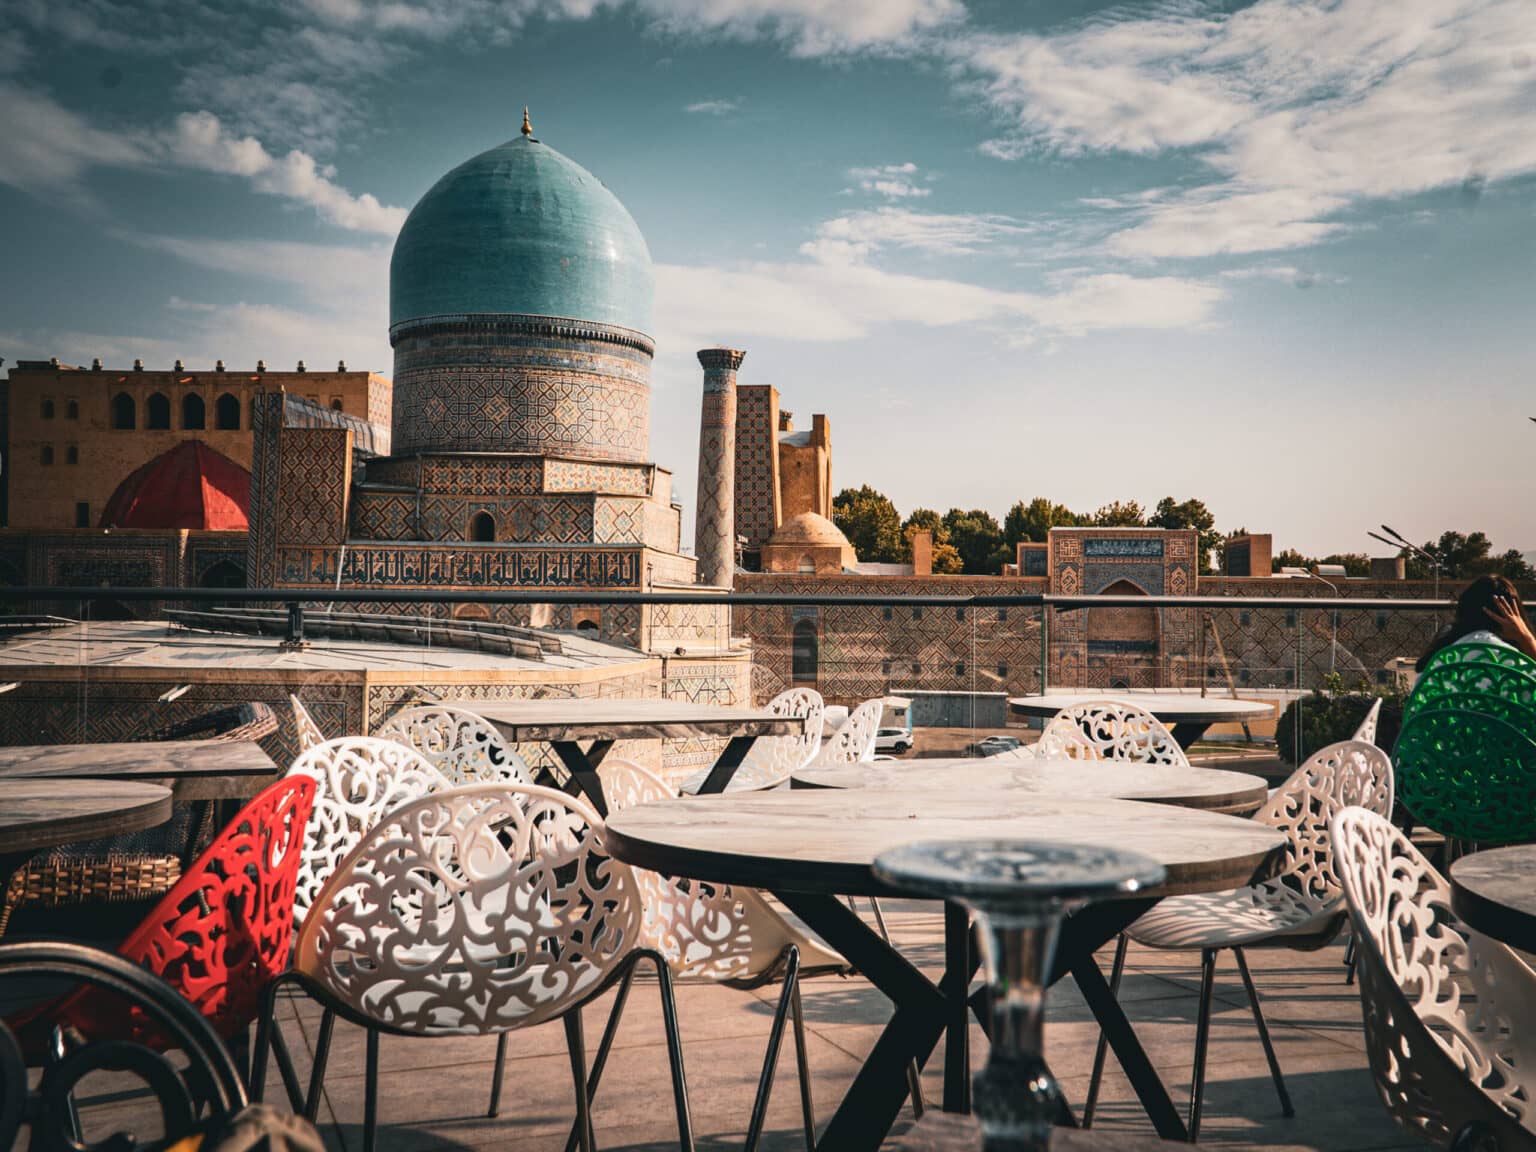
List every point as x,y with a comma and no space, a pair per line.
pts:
757,464
266,438
588,476
521,520
445,566
689,626
382,515
314,475
510,391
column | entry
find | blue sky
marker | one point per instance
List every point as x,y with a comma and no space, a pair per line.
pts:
1280,255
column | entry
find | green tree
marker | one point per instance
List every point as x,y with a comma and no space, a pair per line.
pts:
1190,514
978,538
1291,558
1034,521
871,523
1120,515
946,560
1465,556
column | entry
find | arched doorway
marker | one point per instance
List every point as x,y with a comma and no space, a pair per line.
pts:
1124,644
805,652
224,574
482,528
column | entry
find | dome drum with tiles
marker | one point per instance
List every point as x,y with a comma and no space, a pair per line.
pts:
520,299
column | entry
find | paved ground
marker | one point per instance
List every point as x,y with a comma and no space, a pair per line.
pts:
434,1092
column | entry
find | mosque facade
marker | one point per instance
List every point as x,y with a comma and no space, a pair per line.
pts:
520,309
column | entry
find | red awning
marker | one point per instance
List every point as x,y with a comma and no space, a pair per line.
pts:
191,486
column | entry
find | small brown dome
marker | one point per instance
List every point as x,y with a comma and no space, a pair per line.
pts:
810,529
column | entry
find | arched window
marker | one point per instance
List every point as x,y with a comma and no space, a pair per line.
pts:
807,566
157,411
586,626
124,411
194,413
336,404
224,574
72,409
482,528
47,409
804,653
226,413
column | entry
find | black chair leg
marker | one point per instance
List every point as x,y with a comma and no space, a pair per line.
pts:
494,1110
803,1068
270,1042
1350,959
610,1031
1103,1049
1202,1037
1269,1048
674,1053
317,1073
576,1048
371,1094
771,1057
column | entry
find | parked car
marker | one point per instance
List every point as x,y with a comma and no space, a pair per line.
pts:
896,740
992,745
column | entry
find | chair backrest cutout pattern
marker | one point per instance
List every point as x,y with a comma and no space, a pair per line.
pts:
359,779
304,723
1106,730
1446,1011
471,911
461,745
854,742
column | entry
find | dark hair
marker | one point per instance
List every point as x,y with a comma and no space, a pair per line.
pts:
1472,611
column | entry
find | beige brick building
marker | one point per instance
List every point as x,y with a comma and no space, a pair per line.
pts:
76,433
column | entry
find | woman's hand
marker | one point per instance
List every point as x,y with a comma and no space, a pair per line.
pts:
1509,623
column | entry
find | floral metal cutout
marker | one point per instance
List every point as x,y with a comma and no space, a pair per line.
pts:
460,745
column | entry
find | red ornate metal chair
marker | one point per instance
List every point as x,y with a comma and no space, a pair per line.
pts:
219,936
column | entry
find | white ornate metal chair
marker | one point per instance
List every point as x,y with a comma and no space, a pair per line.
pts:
477,911
360,778
460,745
854,741
772,759
1301,909
1106,730
1367,729
713,933
304,722
1446,1010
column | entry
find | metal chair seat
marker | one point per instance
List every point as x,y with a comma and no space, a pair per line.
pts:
1268,915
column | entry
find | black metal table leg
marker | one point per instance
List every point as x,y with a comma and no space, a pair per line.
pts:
958,968
725,767
1188,732
1082,934
922,1013
583,768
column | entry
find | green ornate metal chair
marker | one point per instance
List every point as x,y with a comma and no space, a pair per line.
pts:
1469,774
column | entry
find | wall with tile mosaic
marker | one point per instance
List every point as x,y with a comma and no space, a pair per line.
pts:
757,463
522,385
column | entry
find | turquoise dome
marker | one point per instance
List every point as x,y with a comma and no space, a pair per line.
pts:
521,229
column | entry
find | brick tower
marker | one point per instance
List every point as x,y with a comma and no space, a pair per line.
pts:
714,525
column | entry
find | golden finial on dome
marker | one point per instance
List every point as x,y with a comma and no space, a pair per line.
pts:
527,124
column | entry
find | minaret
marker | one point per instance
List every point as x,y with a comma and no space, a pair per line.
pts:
714,523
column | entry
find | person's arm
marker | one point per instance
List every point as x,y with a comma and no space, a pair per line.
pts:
1509,623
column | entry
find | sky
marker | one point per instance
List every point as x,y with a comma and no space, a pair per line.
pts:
1279,256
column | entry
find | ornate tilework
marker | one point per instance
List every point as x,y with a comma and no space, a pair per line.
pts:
314,485
715,511
445,566
505,388
587,476
757,463
266,439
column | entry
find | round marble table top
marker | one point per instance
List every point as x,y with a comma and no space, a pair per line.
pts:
1213,789
826,841
1169,707
1494,891
44,813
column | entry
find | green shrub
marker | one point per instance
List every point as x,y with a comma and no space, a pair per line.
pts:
1331,714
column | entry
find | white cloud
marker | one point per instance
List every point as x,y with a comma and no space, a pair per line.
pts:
712,107
46,146
199,141
1300,110
893,181
859,235
838,292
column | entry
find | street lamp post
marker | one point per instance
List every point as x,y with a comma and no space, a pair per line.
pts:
1333,650
1399,540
